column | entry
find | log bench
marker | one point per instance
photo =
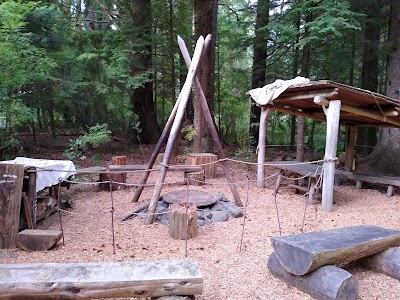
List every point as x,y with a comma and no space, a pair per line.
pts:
313,171
193,173
307,261
100,280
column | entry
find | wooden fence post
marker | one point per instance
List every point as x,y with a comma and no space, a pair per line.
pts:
11,180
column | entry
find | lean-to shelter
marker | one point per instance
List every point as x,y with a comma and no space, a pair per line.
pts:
336,104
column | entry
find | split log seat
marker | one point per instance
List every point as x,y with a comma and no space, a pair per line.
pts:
100,280
38,240
189,171
300,254
186,169
386,262
384,180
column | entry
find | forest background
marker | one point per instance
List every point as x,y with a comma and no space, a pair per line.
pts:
103,68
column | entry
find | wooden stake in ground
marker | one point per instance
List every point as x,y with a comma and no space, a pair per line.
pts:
210,124
11,179
182,221
184,96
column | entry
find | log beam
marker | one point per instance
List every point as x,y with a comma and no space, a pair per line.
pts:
359,111
47,281
328,283
386,262
302,253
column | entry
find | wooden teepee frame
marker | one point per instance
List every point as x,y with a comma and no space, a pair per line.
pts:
174,122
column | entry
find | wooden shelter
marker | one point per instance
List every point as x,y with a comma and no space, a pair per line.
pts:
337,104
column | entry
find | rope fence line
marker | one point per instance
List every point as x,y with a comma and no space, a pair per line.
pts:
247,182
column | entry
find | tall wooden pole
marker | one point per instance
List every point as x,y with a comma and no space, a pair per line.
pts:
262,138
184,96
332,130
210,122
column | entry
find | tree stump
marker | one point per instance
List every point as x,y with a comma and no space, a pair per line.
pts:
114,177
195,178
183,221
11,179
205,160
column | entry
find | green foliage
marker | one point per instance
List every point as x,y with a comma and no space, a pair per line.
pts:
96,136
190,132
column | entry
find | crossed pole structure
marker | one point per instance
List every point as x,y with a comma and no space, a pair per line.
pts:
173,124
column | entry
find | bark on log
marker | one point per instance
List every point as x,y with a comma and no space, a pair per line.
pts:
182,221
11,180
114,177
302,253
100,280
195,178
325,283
386,262
38,240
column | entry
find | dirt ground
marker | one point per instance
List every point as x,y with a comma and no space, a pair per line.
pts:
232,255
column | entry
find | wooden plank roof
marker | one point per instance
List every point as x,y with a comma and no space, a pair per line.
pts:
359,107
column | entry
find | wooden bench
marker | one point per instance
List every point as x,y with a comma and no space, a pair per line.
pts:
100,280
313,171
307,261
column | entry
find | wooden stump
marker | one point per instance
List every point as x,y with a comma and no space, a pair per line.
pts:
114,177
182,221
195,178
328,282
11,181
300,254
38,240
205,160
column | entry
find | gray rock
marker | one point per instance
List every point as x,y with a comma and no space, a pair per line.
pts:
219,205
221,197
233,210
200,222
219,216
200,215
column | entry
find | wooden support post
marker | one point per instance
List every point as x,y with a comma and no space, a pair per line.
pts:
327,283
300,254
262,137
211,127
349,147
182,221
311,190
32,192
386,262
389,191
183,98
98,280
359,184
332,131
11,181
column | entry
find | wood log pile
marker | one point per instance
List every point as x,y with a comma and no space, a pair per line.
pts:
308,261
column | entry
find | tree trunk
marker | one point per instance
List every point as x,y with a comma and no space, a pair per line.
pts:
205,22
305,71
259,61
367,136
142,97
389,144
